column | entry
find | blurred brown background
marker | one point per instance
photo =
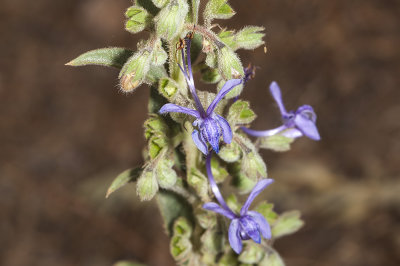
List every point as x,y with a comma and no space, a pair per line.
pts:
66,132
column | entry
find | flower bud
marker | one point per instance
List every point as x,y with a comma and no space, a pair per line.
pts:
230,152
160,3
240,113
138,18
166,176
170,20
134,71
200,184
147,185
168,88
229,64
251,254
160,56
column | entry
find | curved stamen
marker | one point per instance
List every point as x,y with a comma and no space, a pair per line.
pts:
187,72
214,186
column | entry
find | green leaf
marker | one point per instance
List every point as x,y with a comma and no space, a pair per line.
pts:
249,38
276,143
240,113
228,38
287,223
220,173
210,75
253,165
172,206
199,182
266,209
130,175
272,258
251,254
212,241
112,57
218,9
240,180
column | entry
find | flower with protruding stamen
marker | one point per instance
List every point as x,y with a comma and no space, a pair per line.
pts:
211,126
247,224
295,124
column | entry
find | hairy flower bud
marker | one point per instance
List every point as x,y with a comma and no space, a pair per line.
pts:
147,185
170,19
133,73
138,18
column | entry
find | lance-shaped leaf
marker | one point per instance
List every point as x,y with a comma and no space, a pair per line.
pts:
228,38
111,57
130,175
138,19
249,38
287,223
218,9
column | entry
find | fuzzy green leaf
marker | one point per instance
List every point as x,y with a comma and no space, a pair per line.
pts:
227,37
172,206
112,57
272,258
130,175
218,9
249,38
287,223
230,152
240,113
276,143
266,209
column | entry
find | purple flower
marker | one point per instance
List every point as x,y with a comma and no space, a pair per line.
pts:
211,126
295,124
245,225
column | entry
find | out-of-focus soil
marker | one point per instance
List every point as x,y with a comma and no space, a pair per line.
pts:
66,132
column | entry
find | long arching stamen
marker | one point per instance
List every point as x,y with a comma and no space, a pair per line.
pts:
214,186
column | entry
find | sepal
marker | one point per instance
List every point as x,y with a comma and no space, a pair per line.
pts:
170,19
138,19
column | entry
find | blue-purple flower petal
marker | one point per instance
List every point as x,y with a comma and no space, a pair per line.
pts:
250,227
212,206
226,128
199,141
305,124
260,186
228,86
211,132
234,236
276,93
292,133
173,108
263,225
